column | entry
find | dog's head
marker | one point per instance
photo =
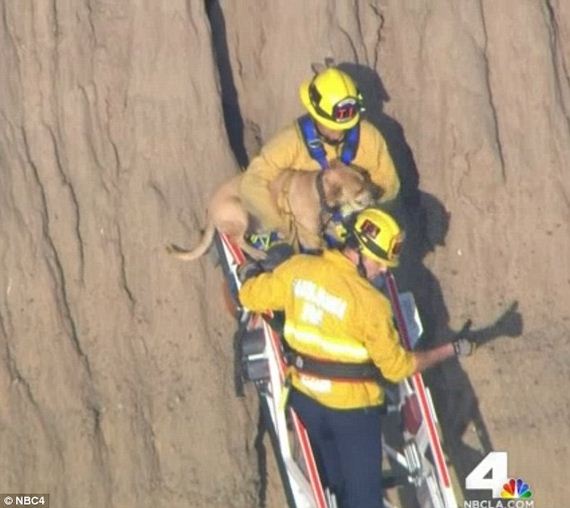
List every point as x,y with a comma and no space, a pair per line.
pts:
349,186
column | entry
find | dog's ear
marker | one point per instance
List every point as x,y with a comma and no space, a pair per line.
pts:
376,191
362,171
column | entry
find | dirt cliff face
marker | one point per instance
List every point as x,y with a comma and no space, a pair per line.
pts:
119,118
115,370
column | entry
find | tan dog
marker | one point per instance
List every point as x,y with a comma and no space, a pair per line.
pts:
302,196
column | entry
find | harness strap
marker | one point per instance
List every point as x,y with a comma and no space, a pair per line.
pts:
315,145
325,207
312,141
284,204
333,370
351,141
329,214
317,152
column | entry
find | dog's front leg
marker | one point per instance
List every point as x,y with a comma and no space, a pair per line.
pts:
309,239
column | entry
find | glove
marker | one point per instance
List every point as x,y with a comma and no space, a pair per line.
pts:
247,270
276,254
463,347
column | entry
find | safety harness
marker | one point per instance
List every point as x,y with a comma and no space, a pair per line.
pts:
317,152
335,371
315,145
322,196
341,371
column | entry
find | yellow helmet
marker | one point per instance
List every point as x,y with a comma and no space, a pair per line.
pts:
379,235
332,99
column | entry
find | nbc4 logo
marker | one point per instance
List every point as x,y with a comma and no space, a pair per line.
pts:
492,474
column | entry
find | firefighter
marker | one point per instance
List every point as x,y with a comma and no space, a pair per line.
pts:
333,128
341,342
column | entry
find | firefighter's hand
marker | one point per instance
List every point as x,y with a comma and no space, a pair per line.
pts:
276,254
463,347
247,270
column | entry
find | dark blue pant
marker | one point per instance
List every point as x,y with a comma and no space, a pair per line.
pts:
348,449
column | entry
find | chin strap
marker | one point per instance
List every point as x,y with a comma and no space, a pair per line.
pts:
360,266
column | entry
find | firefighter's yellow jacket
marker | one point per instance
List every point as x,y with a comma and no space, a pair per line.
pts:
287,150
332,313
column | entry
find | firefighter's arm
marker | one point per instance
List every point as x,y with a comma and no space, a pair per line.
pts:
459,347
431,357
266,291
277,155
394,361
383,343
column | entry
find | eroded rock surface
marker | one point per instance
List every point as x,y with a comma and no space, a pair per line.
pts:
115,375
115,360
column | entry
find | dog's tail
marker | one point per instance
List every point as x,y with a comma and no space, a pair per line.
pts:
196,252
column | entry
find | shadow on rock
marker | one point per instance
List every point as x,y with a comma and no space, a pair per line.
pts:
230,104
375,95
465,433
426,221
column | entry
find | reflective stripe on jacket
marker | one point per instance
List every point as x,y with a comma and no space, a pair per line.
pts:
332,313
313,342
287,150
